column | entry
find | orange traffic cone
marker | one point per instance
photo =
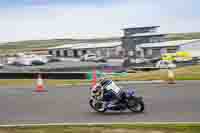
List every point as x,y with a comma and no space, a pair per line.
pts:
40,85
94,77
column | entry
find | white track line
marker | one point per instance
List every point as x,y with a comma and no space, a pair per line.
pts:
122,82
93,124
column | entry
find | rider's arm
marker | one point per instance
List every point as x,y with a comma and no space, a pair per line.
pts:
102,91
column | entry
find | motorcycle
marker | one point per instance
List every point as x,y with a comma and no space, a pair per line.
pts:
130,101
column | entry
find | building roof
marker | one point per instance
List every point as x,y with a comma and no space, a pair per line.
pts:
146,27
148,34
65,46
167,44
88,45
98,45
145,35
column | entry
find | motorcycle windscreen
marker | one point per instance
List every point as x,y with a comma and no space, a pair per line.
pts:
112,86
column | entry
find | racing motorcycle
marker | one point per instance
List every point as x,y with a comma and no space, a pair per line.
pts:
130,101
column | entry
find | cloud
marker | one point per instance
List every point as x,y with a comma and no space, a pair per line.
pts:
78,21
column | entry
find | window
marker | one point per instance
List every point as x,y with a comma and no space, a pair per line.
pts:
65,53
58,53
50,52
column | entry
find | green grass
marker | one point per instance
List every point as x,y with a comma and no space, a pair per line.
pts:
117,128
184,73
183,36
32,82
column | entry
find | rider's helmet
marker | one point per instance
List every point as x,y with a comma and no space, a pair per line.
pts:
96,89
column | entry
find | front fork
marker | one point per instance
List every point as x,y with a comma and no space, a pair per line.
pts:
95,101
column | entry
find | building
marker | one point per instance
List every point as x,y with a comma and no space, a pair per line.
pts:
63,50
139,35
126,46
151,50
137,30
137,42
108,49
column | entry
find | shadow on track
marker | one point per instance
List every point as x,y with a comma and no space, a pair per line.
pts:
115,113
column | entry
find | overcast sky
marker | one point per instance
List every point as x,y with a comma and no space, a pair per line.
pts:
44,19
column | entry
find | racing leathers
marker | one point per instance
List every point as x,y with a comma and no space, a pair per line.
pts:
111,92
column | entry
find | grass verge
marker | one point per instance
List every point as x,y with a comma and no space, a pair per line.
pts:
33,82
115,128
184,73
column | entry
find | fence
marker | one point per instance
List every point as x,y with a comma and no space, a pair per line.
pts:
52,75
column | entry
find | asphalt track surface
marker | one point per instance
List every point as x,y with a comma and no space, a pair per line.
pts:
164,103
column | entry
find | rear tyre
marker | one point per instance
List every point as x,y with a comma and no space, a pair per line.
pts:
136,106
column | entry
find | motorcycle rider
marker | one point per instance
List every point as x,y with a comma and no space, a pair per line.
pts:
109,91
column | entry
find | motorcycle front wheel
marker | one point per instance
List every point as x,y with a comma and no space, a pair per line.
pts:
97,106
136,106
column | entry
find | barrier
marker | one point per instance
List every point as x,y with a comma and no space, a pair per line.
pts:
144,68
104,67
55,75
45,75
89,75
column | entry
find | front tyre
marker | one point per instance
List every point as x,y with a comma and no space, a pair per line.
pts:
136,106
97,106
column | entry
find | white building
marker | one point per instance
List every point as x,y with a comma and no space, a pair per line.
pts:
108,49
149,50
114,49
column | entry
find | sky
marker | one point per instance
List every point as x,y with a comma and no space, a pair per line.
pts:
46,19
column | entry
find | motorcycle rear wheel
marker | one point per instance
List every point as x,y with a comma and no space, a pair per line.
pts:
136,106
